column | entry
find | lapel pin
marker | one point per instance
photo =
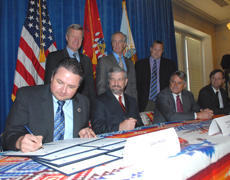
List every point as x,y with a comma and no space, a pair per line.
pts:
78,109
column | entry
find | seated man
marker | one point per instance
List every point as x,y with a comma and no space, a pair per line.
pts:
213,96
114,110
46,108
175,103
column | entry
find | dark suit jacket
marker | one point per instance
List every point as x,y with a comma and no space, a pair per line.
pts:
143,74
87,87
208,99
33,107
165,109
104,65
107,113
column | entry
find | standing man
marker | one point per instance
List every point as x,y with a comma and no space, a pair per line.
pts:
116,59
152,75
74,38
52,112
115,110
213,96
175,103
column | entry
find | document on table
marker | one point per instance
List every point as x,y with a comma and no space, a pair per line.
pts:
73,158
82,165
105,142
54,147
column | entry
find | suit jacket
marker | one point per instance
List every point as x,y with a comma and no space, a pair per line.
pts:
165,109
143,75
87,86
33,107
107,113
207,99
102,74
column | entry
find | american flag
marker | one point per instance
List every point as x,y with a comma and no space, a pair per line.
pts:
36,42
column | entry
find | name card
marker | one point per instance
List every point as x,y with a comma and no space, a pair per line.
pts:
218,125
151,146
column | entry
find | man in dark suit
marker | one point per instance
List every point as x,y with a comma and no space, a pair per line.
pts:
115,110
37,107
74,37
116,59
143,68
175,103
213,96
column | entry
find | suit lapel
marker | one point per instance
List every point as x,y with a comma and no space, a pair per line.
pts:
76,116
213,94
48,111
171,99
115,103
114,62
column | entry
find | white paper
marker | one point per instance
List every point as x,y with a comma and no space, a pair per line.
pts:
75,158
66,152
155,145
82,165
118,153
221,124
53,147
114,146
105,142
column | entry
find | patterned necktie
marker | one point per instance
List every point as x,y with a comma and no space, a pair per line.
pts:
76,56
122,105
179,107
120,62
59,122
153,82
218,102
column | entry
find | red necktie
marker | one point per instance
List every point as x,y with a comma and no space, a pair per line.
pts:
179,107
122,105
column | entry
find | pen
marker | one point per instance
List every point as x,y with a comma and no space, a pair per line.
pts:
30,132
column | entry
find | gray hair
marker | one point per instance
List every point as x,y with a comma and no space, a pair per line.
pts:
119,32
76,27
181,75
72,66
158,42
118,69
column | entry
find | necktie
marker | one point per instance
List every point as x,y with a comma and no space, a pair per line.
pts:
179,107
122,105
59,122
218,102
76,56
120,62
153,82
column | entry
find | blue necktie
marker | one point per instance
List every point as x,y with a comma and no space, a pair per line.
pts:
153,82
59,122
76,56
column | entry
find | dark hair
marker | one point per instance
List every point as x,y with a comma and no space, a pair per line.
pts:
76,27
216,71
158,42
119,32
181,75
72,65
118,69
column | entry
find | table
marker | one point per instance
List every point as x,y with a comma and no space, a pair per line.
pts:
201,157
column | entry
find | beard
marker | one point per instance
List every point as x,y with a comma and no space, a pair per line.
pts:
116,89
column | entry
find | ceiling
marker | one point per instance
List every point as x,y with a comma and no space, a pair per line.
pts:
218,10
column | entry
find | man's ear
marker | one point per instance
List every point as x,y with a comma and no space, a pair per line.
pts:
126,81
185,85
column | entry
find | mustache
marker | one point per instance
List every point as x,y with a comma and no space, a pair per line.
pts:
116,86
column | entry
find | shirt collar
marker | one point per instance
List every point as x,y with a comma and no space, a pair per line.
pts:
66,101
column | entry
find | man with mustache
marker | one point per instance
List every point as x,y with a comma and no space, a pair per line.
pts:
175,103
115,110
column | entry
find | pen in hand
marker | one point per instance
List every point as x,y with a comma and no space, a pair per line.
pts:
30,132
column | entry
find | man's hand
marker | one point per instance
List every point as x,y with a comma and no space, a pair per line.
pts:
205,114
29,143
87,133
128,124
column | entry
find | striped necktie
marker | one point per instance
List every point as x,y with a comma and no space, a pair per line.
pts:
59,122
120,62
153,82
